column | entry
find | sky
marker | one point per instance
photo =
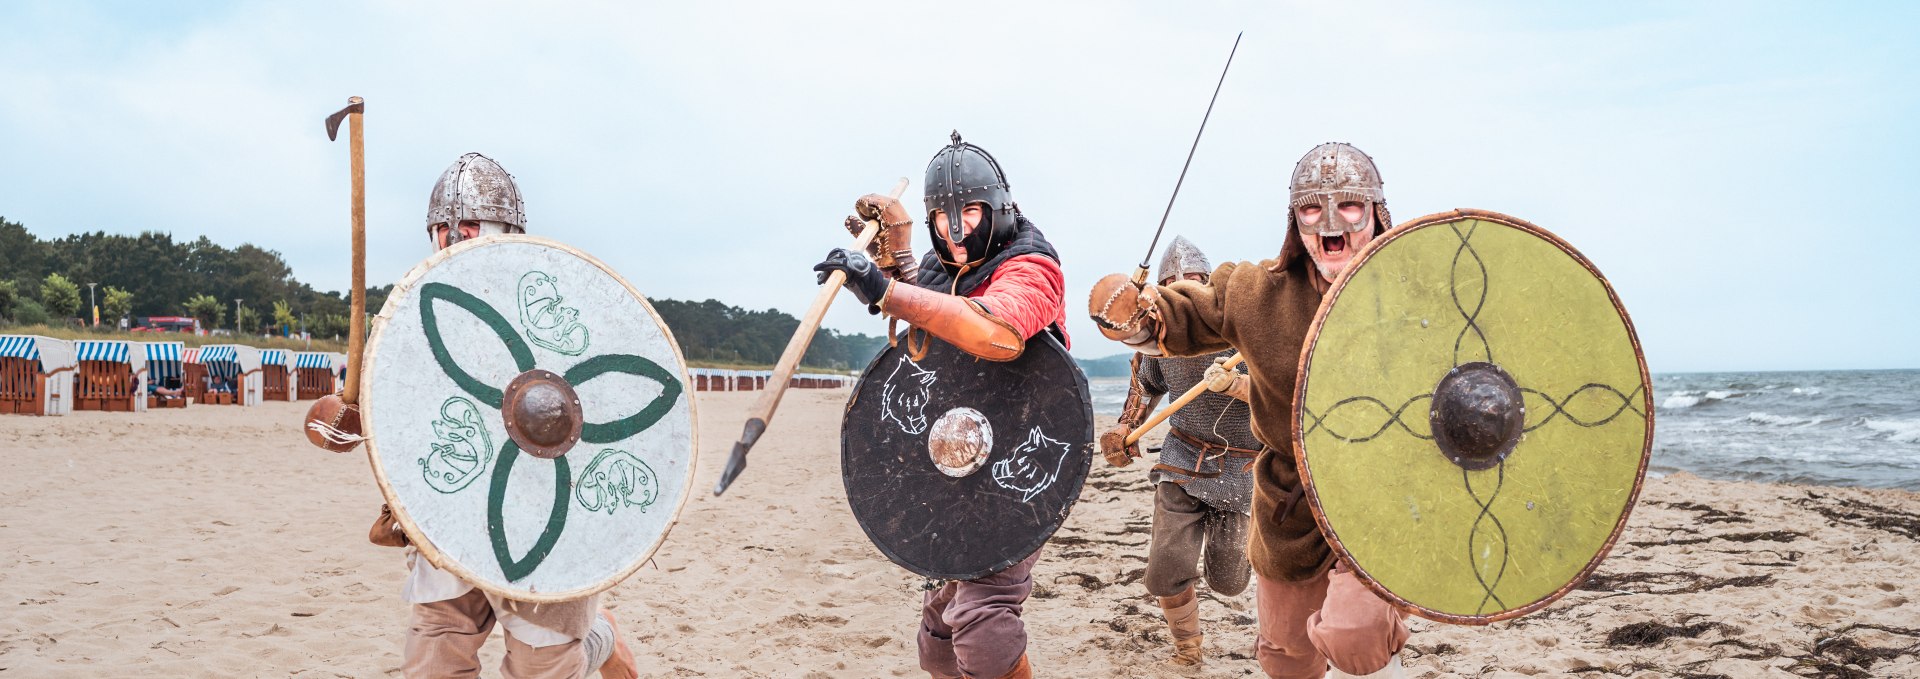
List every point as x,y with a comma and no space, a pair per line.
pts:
1738,170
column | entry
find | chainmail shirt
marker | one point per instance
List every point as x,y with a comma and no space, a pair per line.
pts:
1211,417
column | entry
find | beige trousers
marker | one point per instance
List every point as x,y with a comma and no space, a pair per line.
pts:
444,640
1330,618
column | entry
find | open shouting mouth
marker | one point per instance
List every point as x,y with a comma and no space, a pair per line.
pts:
1332,244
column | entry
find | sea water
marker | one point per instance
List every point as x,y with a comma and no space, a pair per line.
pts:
1840,428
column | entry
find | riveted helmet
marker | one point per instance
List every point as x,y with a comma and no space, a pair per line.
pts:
1335,173
475,188
962,174
1182,258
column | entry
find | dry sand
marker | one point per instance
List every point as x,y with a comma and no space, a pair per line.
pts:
213,541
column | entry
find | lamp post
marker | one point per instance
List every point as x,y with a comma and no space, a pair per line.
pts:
93,302
236,317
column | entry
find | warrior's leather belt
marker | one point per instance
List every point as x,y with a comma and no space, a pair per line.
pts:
1208,449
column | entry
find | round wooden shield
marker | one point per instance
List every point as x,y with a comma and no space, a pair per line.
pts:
958,467
1472,419
528,418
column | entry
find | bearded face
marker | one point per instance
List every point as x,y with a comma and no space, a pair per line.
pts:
1333,237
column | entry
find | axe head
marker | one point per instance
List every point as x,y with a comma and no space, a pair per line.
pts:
354,105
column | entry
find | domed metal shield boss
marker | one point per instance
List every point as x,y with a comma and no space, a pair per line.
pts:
960,442
542,414
1471,418
1477,415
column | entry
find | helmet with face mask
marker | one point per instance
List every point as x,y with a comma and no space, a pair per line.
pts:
1335,173
1182,258
475,188
960,175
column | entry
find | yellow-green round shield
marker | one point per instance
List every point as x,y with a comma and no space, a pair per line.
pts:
1472,418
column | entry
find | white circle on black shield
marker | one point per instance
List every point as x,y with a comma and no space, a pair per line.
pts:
960,442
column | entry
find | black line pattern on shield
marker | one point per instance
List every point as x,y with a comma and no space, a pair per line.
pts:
1486,525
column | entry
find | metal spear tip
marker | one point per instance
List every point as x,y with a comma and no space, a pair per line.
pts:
354,105
736,463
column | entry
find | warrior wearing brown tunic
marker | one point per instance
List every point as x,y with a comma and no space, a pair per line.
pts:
1310,614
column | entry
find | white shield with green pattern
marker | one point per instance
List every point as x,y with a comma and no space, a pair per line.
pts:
529,418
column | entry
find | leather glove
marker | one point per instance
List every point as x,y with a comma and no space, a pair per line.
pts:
864,279
386,530
1221,379
333,425
1113,445
892,247
1123,310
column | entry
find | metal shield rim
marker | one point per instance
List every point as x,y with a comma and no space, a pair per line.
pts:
1080,383
400,512
1312,496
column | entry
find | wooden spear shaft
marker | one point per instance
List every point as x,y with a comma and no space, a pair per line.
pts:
1178,403
769,400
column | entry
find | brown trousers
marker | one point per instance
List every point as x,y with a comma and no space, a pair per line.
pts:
1188,534
444,640
972,628
1331,618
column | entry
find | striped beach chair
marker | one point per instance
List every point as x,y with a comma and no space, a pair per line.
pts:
165,367
276,377
112,376
33,375
313,375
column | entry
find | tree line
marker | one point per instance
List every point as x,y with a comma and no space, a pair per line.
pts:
150,274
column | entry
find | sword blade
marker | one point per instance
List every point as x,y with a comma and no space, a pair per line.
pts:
1196,146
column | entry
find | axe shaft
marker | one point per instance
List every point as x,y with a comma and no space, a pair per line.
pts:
790,359
357,327
1164,413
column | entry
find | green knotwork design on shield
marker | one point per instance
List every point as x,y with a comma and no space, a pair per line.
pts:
549,325
615,479
465,449
431,294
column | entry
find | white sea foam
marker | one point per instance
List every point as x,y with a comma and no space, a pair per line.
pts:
1809,391
1783,420
1900,431
1718,395
1678,401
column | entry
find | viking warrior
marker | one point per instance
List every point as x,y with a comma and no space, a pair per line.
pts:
451,618
990,283
1313,612
1203,482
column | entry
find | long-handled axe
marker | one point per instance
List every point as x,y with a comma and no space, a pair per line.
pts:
357,329
790,359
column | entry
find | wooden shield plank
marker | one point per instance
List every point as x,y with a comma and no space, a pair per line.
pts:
454,334
957,467
1472,417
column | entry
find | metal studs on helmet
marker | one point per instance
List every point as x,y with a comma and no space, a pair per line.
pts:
1335,173
475,188
1182,258
961,174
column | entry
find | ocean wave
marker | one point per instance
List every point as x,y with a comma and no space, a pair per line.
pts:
1783,420
1809,391
1899,431
1688,398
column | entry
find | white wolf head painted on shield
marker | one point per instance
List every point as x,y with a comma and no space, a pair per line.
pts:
903,398
1034,465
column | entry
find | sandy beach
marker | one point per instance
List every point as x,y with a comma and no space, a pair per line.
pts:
213,541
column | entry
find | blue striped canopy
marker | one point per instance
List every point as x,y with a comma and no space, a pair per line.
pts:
273,357
163,361
309,359
100,350
19,346
220,361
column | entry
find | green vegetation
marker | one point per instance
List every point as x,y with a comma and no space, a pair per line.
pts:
1117,365
151,275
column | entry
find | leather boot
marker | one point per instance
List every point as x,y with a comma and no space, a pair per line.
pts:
1021,670
1183,621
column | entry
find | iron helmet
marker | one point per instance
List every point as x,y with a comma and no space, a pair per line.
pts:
1335,173
1182,258
476,188
962,174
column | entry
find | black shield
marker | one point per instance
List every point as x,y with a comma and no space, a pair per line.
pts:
942,526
